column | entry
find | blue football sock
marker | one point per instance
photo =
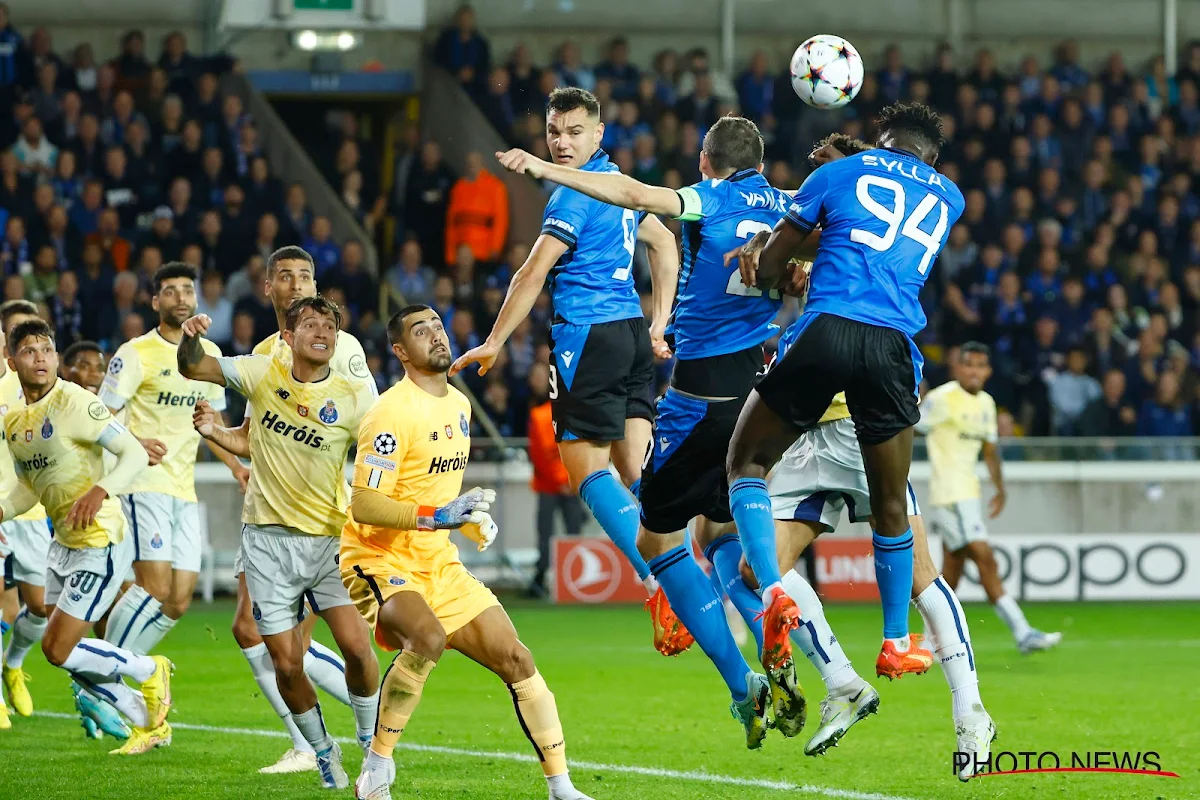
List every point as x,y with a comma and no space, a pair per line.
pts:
751,507
635,489
617,512
699,608
894,575
726,556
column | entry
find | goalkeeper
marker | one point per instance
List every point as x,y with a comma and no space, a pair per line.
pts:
404,574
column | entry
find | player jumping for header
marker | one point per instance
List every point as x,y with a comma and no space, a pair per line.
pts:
602,366
718,327
855,335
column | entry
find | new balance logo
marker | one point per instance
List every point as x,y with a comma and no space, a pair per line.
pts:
567,357
433,436
166,373
284,394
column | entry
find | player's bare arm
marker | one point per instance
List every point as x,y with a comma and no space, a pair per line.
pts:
234,442
523,292
664,276
991,457
236,468
613,188
156,450
192,361
19,500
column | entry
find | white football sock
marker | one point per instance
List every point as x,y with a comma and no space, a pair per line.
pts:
365,709
326,669
815,637
152,633
902,645
312,725
560,784
1012,616
766,591
119,695
651,584
129,616
376,761
27,631
950,640
264,675
106,661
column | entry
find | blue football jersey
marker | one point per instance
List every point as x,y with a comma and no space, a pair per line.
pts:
715,313
884,215
593,281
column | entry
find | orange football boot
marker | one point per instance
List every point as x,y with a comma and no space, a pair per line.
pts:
780,618
895,664
670,636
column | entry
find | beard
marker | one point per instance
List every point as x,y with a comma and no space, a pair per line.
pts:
440,361
173,319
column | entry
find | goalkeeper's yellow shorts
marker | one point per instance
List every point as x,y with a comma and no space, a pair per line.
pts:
453,594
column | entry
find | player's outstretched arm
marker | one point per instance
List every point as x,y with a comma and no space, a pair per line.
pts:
613,188
664,275
371,507
523,292
191,359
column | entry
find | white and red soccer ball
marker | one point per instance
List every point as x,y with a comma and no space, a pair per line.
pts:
827,71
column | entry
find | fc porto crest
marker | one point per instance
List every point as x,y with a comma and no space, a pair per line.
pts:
47,429
156,541
396,581
328,413
462,424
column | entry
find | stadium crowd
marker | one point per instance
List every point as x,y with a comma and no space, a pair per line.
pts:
1077,259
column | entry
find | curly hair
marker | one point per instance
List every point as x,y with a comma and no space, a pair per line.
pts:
915,119
844,144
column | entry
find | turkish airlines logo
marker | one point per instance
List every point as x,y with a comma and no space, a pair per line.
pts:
591,572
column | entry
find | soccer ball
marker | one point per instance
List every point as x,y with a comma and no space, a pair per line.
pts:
827,71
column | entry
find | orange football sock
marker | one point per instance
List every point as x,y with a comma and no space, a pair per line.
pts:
538,716
401,691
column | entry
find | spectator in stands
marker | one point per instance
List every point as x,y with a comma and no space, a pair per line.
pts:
212,254
1110,414
256,303
42,281
34,151
131,64
14,288
463,52
237,226
46,96
297,218
1107,346
462,332
625,129
120,191
700,105
320,245
154,98
181,67
525,79
179,201
617,69
466,279
243,340
66,311
497,104
756,91
246,148
95,291
209,186
10,47
1166,414
66,125
359,288
426,203
1071,392
115,247
443,298
410,276
477,213
213,302
264,193
63,238
186,160
112,130
266,239
162,234
571,70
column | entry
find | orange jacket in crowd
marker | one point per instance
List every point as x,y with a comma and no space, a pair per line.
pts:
549,474
118,250
477,215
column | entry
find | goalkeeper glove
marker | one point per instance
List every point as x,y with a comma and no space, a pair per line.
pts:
457,512
481,529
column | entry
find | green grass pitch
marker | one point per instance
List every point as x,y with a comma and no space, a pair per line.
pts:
642,726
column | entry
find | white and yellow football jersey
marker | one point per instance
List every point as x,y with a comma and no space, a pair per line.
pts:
10,398
55,445
158,403
957,423
300,434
